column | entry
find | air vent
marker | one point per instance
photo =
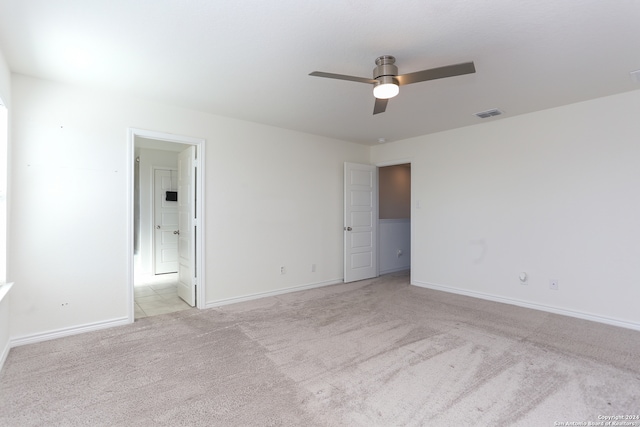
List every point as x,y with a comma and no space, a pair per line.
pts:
488,113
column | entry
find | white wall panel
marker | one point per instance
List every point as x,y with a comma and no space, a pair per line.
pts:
552,193
395,235
5,95
274,198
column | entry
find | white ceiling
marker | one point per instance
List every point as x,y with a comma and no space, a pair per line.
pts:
250,59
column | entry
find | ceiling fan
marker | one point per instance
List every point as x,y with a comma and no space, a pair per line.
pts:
386,80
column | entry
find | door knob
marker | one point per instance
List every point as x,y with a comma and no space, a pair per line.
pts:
348,228
176,232
158,227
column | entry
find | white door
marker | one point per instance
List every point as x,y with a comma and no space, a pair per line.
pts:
187,225
360,221
165,213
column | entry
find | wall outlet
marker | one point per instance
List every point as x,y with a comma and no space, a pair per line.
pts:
282,269
524,278
553,284
313,268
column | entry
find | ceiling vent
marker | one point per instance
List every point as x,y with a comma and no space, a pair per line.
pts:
488,113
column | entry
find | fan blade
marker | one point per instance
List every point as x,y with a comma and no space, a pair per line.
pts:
437,73
380,106
342,77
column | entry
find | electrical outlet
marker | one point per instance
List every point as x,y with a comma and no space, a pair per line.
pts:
553,284
524,278
313,268
282,269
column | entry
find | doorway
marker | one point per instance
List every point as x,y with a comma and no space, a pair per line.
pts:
153,228
394,218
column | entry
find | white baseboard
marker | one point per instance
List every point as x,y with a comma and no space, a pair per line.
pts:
65,332
49,335
526,304
3,356
4,291
218,303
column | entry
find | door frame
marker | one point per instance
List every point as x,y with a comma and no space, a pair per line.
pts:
200,192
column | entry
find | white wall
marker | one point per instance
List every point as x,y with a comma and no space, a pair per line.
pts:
274,197
394,235
5,80
5,95
5,102
553,193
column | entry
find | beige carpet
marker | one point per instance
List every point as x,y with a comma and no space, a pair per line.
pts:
372,353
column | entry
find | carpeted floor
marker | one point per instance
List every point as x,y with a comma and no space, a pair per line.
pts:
373,353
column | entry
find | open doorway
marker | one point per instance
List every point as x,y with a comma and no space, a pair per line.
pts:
394,220
155,228
167,224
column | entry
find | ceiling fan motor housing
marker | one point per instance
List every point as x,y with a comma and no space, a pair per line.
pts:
385,71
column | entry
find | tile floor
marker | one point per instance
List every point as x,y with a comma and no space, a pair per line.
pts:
157,295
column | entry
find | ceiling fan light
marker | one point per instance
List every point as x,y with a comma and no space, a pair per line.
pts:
386,90
387,87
